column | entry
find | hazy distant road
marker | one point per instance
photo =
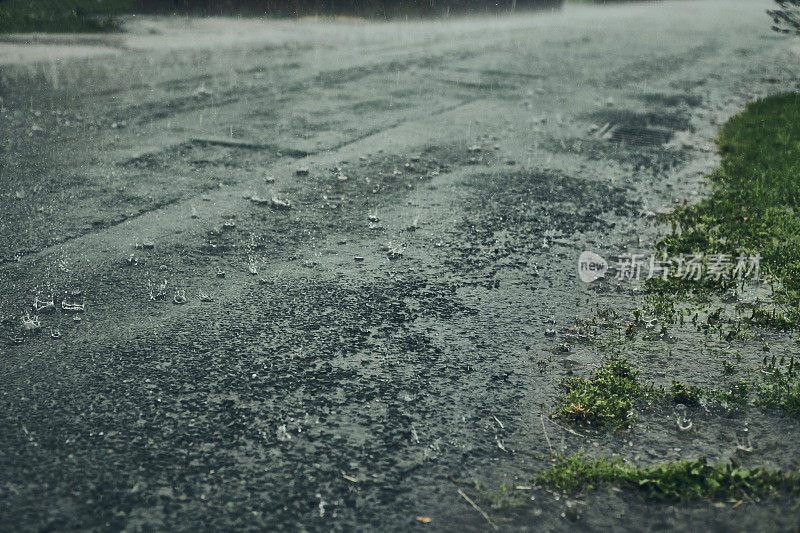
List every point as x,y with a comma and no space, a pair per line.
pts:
350,362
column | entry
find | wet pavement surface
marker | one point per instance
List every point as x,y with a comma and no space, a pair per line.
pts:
320,264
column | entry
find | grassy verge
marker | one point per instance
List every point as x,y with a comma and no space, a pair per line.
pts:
753,209
680,480
68,16
606,399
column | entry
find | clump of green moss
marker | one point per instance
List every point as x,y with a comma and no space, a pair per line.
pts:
738,394
728,367
606,399
780,386
680,480
686,394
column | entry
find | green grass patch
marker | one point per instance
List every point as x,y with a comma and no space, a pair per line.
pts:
576,473
737,395
753,208
675,481
68,16
606,399
779,387
686,394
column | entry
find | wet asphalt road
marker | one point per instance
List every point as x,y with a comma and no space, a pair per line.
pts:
350,362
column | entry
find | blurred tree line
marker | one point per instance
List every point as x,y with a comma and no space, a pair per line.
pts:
786,17
60,15
101,15
364,8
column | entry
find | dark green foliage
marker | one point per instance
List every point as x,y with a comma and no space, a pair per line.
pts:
60,15
686,394
787,18
358,8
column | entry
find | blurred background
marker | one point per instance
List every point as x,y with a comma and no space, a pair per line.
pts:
101,15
